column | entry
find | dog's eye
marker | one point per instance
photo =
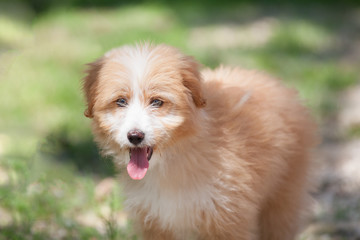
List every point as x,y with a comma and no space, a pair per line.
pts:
121,102
156,103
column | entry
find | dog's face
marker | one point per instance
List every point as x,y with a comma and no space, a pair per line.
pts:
142,99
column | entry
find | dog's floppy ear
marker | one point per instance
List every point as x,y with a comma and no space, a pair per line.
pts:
192,80
89,85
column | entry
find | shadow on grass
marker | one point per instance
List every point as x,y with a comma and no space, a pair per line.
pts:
20,232
40,6
65,146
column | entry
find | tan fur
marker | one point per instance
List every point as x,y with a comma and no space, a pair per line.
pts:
236,167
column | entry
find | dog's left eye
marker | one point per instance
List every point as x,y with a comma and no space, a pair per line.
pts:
156,103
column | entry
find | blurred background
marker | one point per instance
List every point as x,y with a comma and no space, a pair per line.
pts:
54,184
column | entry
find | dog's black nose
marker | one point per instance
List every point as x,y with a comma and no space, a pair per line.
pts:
135,136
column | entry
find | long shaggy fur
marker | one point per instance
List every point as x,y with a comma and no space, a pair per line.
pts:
231,146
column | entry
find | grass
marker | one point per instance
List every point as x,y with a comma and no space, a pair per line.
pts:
354,132
50,165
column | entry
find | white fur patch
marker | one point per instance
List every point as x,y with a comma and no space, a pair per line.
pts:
136,60
243,100
179,209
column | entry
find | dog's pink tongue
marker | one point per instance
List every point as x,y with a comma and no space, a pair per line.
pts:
138,164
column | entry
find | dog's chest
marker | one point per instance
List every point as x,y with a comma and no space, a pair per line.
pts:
179,210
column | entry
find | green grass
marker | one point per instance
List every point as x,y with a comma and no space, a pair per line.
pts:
52,166
354,131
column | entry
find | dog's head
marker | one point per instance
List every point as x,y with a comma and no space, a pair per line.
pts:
142,99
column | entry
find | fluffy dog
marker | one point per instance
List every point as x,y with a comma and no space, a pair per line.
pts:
216,154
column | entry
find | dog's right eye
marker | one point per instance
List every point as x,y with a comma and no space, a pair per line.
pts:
121,102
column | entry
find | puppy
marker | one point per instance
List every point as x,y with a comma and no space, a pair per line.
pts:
217,154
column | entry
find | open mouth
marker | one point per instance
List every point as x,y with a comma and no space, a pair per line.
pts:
139,162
